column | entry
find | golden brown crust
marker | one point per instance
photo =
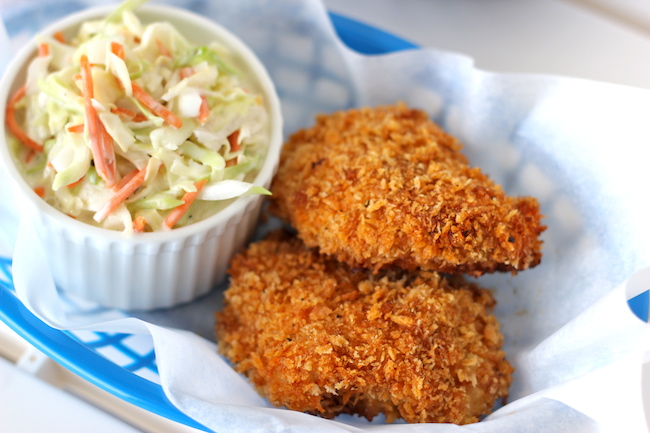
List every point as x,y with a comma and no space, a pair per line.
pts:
314,336
387,187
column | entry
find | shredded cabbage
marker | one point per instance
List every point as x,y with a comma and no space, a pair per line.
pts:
210,127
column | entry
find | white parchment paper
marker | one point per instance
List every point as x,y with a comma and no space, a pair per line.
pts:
580,147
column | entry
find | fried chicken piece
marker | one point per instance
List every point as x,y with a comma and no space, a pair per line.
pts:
313,335
380,187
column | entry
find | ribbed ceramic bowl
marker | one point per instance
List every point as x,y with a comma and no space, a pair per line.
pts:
149,270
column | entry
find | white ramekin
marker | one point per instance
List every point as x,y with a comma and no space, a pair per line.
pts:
149,270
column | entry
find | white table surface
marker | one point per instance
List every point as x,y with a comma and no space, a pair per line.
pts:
530,36
605,40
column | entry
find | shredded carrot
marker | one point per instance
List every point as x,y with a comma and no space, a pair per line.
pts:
156,107
121,195
139,223
77,129
179,211
108,151
204,110
132,115
40,191
117,49
163,49
86,76
123,112
43,49
73,184
186,71
12,123
30,156
101,146
125,180
233,139
76,77
59,37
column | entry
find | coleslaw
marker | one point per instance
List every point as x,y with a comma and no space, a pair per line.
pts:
131,127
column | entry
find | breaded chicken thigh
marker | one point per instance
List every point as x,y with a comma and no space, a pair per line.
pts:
386,187
314,336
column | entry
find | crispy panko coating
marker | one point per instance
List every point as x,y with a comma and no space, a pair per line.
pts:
315,336
385,186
